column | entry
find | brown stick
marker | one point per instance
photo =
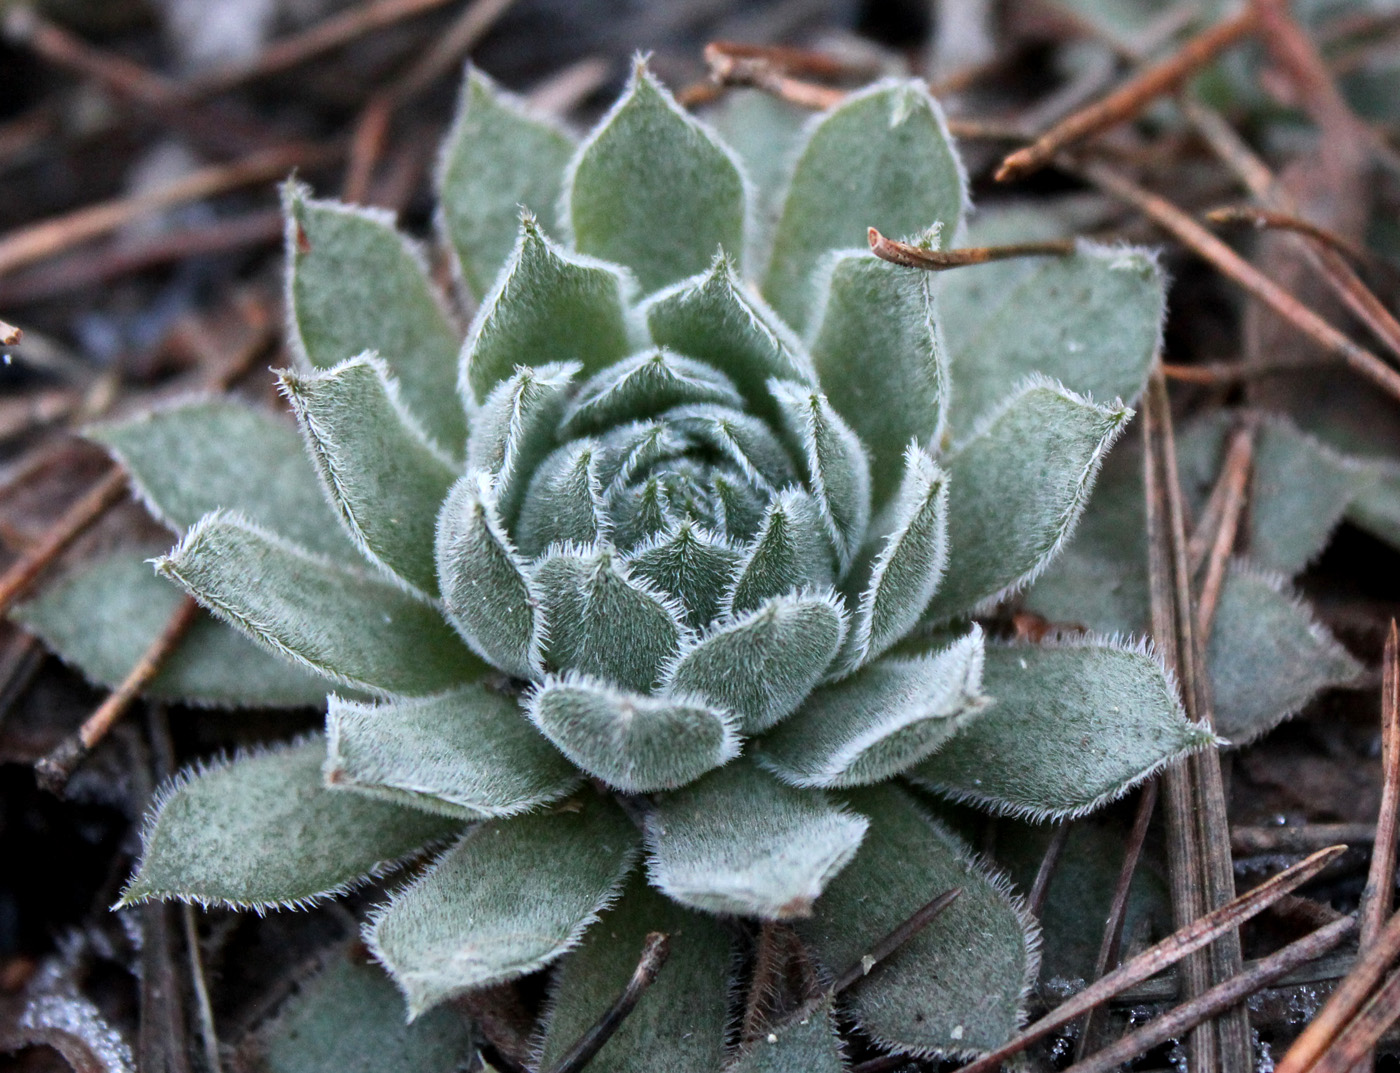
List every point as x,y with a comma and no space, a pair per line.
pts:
903,253
1250,841
1234,480
1358,1040
807,63
1161,956
1129,99
1273,220
1040,887
654,954
445,56
9,334
895,939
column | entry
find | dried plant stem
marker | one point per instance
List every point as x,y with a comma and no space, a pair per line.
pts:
1274,220
208,1035
1355,1043
1234,486
654,953
1129,99
895,939
1247,841
903,253
9,334
808,63
1218,999
1035,902
1164,954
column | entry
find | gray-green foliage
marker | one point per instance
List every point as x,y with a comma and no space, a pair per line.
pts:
630,524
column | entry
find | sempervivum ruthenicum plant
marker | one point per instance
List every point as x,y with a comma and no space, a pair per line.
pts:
655,605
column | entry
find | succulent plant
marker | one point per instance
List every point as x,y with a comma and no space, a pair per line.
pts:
653,610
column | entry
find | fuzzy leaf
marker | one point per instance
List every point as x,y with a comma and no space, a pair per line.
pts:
545,306
263,832
954,988
1033,461
882,158
352,628
643,386
909,566
738,841
507,900
762,665
678,1025
1267,655
1073,726
837,465
880,721
468,753
1376,508
739,438
602,622
765,133
484,586
349,1019
383,477
653,189
105,614
791,552
880,359
564,502
191,458
355,283
691,565
634,743
807,1042
1090,320
714,317
498,157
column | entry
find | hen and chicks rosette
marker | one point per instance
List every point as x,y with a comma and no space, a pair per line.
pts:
648,607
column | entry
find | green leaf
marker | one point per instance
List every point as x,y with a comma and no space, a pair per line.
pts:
497,158
385,479
880,721
105,614
564,502
1091,320
807,1042
739,438
485,590
545,306
643,386
349,1019
352,628
507,900
679,1023
838,468
263,832
1376,509
1074,725
653,189
602,622
188,459
1267,655
790,553
691,565
469,753
880,359
633,743
1034,461
954,989
738,841
761,665
882,158
354,283
765,133
906,572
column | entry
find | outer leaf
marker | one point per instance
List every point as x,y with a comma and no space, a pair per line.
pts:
546,306
653,189
880,721
690,564
104,615
738,841
878,353
564,502
882,158
469,753
380,473
762,665
765,133
807,1042
837,466
643,386
604,623
348,1019
1091,321
678,1025
909,567
634,743
1377,508
484,585
956,987
1073,726
354,283
351,628
790,553
1033,462
1267,655
263,832
498,157
511,897
198,456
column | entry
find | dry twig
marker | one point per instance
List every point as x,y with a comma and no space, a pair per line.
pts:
911,256
895,939
654,953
